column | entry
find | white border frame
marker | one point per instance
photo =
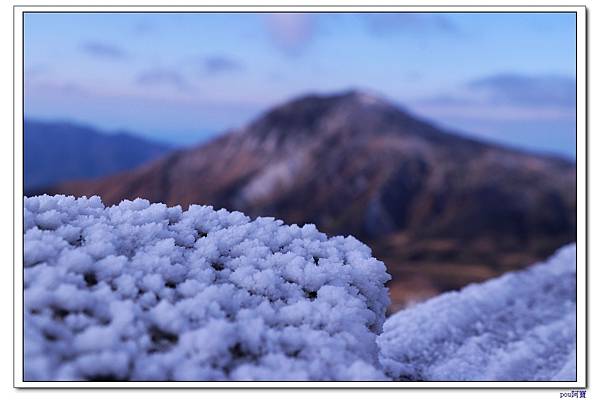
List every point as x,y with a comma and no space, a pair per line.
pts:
582,162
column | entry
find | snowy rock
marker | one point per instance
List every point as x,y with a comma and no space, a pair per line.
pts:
518,327
140,291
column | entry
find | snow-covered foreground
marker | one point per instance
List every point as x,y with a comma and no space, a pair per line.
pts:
140,291
145,292
519,327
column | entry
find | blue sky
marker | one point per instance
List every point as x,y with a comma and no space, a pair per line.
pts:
504,77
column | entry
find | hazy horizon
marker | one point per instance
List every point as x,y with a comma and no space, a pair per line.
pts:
198,138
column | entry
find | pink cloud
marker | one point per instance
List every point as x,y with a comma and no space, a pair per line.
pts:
290,32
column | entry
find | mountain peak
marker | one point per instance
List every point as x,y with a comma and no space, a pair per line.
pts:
314,114
350,96
366,97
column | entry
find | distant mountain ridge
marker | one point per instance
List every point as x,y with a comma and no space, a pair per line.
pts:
60,151
441,210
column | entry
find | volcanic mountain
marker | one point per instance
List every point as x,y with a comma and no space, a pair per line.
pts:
441,210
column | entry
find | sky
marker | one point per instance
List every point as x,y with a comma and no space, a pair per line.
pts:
185,77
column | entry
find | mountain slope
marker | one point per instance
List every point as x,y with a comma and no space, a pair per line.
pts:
441,210
55,152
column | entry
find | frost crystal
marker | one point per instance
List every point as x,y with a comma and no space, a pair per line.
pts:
519,327
140,291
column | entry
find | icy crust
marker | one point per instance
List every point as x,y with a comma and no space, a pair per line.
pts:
518,327
140,291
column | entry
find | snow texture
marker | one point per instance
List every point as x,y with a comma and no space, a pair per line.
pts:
518,327
140,291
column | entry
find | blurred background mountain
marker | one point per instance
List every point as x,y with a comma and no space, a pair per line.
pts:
440,209
59,151
458,166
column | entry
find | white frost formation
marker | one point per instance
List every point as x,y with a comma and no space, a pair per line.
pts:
140,291
518,327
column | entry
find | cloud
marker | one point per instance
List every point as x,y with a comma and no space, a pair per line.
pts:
455,100
517,89
163,77
144,28
37,71
221,64
485,111
290,33
55,88
507,96
393,23
104,50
